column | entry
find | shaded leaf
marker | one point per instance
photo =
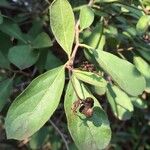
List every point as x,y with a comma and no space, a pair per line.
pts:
4,3
42,41
39,138
4,63
139,103
120,103
36,28
5,91
35,105
122,72
52,61
12,29
1,18
22,56
5,44
62,24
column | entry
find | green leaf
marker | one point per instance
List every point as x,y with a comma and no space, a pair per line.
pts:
40,64
4,63
86,17
4,3
144,68
99,90
142,49
88,133
36,28
102,42
63,24
12,29
111,31
42,41
1,18
35,105
90,78
94,40
120,103
146,2
139,103
107,1
52,61
5,91
143,24
22,56
39,138
122,72
5,44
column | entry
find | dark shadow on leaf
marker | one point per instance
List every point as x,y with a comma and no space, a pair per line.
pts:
98,118
127,114
136,73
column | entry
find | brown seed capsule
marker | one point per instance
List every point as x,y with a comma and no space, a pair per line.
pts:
88,112
86,107
88,102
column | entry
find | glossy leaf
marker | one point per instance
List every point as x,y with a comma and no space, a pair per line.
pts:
143,24
63,24
144,68
86,17
42,41
90,78
22,56
5,91
33,107
120,103
122,72
88,133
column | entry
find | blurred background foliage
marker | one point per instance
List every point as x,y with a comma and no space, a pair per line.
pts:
25,23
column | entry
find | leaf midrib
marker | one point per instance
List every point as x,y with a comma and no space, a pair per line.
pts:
46,90
65,39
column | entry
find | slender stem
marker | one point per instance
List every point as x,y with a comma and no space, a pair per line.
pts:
70,77
60,133
77,32
70,63
91,2
86,46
